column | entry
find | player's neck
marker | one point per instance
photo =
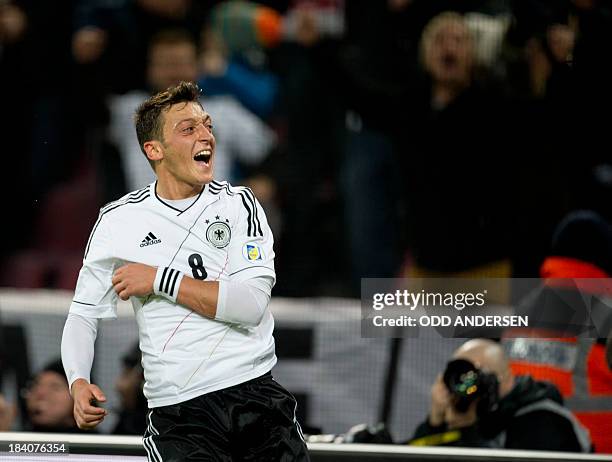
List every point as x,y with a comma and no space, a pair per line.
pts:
176,190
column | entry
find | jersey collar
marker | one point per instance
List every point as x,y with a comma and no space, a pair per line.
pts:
178,211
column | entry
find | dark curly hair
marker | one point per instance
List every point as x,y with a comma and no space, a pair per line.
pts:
148,117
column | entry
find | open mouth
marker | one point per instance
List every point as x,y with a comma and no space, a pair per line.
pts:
203,156
449,60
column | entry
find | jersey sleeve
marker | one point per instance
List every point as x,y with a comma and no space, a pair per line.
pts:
94,296
251,252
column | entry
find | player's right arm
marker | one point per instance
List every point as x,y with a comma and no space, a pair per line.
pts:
78,342
94,298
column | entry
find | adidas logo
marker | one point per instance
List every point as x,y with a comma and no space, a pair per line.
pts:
149,239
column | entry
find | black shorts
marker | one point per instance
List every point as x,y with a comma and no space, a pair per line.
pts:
253,421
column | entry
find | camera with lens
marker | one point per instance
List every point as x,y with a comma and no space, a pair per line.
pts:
467,384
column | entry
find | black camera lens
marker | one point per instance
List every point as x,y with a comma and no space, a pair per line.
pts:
462,379
466,383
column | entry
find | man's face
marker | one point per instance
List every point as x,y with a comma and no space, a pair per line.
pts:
449,56
49,402
188,145
170,64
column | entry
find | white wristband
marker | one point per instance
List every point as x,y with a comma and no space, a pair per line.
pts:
167,282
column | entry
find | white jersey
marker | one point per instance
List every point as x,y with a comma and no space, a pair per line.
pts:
223,235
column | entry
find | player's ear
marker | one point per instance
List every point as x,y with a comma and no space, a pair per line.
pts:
154,150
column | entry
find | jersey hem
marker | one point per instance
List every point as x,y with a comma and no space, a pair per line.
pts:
253,374
93,313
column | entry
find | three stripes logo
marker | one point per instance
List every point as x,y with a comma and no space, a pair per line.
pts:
150,239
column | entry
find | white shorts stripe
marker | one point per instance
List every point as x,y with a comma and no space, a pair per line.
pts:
150,455
297,424
151,427
152,451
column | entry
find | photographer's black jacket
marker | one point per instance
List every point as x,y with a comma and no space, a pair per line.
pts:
532,416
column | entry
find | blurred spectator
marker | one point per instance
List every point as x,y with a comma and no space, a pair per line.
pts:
240,33
308,163
13,22
115,35
375,64
240,135
479,402
381,87
591,21
575,294
538,52
560,73
350,65
129,383
221,74
238,36
48,401
233,60
456,155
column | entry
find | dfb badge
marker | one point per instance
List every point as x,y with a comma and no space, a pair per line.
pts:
219,234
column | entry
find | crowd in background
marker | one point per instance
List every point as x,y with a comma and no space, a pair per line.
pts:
383,138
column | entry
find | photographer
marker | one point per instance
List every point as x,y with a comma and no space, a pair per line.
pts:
479,402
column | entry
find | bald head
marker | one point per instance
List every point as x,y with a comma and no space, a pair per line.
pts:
489,356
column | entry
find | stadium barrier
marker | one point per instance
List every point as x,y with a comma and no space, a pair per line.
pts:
106,448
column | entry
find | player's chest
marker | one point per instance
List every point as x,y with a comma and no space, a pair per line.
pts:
196,244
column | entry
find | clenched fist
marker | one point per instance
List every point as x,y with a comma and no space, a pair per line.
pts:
86,413
134,279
